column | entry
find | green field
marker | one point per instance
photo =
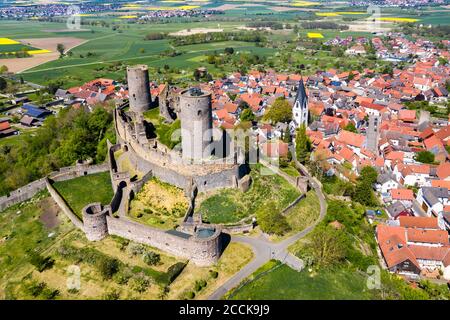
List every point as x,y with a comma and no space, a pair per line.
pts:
232,205
81,191
7,48
287,284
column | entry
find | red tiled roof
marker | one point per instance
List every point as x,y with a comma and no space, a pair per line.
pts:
443,170
427,236
419,222
351,138
402,194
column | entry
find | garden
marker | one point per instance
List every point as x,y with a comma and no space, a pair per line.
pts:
233,205
159,204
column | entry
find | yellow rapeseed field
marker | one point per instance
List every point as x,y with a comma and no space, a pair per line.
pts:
128,17
8,41
39,51
315,35
303,3
327,14
396,19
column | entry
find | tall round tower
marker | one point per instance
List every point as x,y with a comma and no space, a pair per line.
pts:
94,221
196,123
139,88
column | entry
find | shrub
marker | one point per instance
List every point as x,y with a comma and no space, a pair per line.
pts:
213,274
108,267
41,290
190,295
151,258
139,284
135,249
112,295
199,285
41,263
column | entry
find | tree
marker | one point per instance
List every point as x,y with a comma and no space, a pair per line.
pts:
351,127
151,258
229,50
302,145
60,48
287,135
247,115
272,221
425,157
368,175
327,247
3,84
280,111
108,267
3,69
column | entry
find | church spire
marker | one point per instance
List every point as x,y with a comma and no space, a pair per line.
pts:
300,109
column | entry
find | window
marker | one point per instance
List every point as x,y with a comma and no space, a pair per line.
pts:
199,113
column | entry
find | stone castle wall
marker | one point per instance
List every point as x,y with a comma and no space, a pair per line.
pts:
63,205
201,252
28,191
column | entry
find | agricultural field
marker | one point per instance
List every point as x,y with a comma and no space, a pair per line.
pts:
159,204
81,191
97,54
232,205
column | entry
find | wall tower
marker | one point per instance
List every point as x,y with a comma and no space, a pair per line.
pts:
139,88
94,221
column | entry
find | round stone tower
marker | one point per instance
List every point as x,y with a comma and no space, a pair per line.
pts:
207,245
139,88
196,123
94,221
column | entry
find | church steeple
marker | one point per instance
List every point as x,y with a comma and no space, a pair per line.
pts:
300,109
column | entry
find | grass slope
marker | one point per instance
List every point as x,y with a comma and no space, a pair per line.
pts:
81,191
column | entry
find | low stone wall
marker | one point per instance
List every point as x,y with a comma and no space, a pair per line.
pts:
293,204
28,191
22,194
63,205
245,228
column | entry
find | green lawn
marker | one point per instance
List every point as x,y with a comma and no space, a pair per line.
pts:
286,283
290,171
81,191
305,212
232,205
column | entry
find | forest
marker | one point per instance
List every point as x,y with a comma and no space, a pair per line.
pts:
72,135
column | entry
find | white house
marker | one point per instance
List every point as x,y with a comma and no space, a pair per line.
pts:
432,200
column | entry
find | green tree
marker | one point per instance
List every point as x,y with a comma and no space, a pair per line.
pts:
151,258
3,69
351,127
60,48
302,145
229,50
108,267
425,157
327,247
272,221
3,84
280,111
368,175
247,115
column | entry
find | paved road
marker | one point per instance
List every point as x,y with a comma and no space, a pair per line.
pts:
264,250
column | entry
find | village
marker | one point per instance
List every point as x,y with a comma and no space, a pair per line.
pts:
395,122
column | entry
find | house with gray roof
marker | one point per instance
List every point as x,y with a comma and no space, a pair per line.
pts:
433,200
